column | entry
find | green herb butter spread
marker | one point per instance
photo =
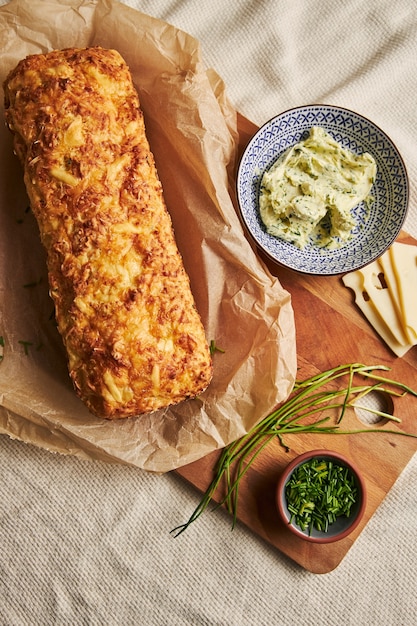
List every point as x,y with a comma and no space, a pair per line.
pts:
309,193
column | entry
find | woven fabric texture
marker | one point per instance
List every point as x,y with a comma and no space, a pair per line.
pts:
86,543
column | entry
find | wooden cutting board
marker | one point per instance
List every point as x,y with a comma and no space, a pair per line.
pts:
330,331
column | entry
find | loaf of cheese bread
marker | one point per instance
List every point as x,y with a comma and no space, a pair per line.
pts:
123,303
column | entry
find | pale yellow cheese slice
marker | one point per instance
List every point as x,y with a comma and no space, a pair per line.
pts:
381,298
355,280
404,263
391,281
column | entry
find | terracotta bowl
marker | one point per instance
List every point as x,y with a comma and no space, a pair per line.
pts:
343,525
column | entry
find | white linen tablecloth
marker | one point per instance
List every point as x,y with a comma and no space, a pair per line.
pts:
89,543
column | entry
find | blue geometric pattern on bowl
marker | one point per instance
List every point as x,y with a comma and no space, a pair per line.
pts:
376,227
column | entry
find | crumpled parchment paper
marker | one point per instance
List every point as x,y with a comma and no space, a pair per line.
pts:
192,130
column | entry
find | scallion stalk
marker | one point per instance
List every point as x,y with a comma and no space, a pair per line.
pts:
308,398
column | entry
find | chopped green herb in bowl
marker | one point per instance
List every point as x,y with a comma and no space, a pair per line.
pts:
321,496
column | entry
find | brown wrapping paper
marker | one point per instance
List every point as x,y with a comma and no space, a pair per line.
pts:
192,130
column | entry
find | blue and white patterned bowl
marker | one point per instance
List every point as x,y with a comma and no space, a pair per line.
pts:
375,230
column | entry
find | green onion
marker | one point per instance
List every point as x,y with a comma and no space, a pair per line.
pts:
298,414
1,348
318,492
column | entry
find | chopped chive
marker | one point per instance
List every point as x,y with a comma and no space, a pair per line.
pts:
214,348
33,284
317,498
26,345
20,220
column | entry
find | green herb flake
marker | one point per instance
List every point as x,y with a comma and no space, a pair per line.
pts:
214,348
33,284
20,220
26,345
1,348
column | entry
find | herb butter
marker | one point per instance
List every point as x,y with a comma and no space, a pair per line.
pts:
309,193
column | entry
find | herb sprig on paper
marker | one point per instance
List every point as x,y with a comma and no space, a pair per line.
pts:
298,415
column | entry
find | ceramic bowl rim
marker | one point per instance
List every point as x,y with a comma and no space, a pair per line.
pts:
264,246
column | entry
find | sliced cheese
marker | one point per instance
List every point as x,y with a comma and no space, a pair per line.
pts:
391,281
386,292
404,263
355,281
380,297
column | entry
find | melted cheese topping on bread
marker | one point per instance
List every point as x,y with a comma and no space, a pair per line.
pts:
124,306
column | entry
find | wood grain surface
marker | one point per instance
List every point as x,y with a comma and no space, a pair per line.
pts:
330,331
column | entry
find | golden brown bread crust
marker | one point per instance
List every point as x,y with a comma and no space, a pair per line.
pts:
123,303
